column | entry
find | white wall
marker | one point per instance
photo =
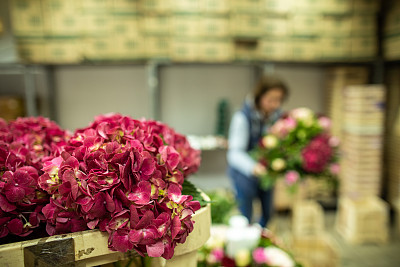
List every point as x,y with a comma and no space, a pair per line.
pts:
84,92
306,84
189,94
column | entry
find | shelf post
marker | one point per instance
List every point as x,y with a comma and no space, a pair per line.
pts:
153,86
30,92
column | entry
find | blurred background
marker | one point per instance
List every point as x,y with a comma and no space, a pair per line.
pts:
190,64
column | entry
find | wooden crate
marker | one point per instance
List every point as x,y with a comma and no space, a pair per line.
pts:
307,218
90,248
316,251
363,220
397,211
283,199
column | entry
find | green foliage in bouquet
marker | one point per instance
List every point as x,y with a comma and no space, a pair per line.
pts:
222,206
296,146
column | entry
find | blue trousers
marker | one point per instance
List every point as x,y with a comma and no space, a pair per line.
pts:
247,189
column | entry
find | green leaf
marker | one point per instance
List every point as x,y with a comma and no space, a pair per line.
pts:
190,189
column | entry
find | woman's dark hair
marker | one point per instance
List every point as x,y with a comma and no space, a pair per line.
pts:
267,83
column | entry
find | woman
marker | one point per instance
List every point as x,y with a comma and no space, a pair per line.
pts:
247,127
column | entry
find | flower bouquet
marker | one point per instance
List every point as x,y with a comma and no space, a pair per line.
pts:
267,252
119,175
296,146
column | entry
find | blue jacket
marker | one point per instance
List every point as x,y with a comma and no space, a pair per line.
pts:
246,129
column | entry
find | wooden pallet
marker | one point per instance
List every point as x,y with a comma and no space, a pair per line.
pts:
363,220
90,248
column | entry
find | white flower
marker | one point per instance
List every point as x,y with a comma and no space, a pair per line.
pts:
215,242
270,141
278,164
242,257
303,114
278,257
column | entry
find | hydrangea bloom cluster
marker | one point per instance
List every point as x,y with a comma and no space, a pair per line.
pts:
123,176
298,145
24,145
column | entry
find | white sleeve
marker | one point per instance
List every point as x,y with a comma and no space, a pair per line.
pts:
239,138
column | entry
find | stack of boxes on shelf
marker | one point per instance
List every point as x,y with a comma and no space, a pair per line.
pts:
362,216
311,244
54,31
362,140
392,31
393,137
337,79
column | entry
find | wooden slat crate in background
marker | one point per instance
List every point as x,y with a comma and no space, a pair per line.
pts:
307,218
363,220
316,251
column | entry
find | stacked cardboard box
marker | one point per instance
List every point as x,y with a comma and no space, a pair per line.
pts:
337,79
57,31
362,140
393,184
391,42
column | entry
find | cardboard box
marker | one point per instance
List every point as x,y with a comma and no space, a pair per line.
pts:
63,50
391,46
306,24
247,6
27,18
156,24
31,50
311,6
98,48
214,26
128,47
97,24
62,18
364,25
215,6
305,49
125,6
157,47
185,49
97,5
186,6
216,51
392,22
366,6
337,7
128,26
278,6
336,25
334,48
156,6
277,26
247,25
186,25
274,49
